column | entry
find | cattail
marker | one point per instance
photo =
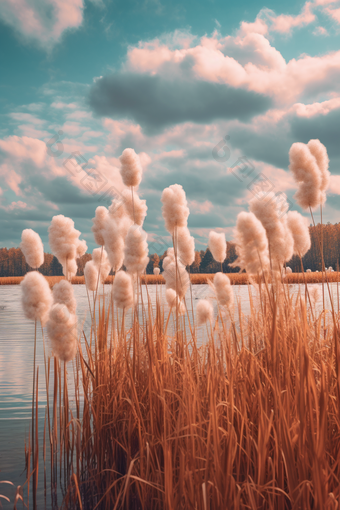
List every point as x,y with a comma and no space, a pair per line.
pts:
272,215
218,246
205,312
36,297
32,248
170,257
99,224
156,271
114,244
175,207
62,332
117,210
178,280
131,169
251,244
102,263
223,290
91,275
136,250
65,243
185,246
136,209
63,294
172,299
122,290
298,226
319,151
70,268
307,174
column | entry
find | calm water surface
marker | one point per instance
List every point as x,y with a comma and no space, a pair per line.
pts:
16,362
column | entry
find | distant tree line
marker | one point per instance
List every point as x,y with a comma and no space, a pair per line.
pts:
12,261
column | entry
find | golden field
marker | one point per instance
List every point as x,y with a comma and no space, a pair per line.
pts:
197,278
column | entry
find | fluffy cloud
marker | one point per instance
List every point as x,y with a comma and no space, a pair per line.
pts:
42,21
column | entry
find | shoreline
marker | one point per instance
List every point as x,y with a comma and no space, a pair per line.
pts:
196,279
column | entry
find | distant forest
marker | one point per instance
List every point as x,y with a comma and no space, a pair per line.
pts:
12,261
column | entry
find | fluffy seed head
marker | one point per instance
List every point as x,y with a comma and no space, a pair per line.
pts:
114,244
91,275
272,214
172,298
218,246
36,297
298,225
205,312
251,244
32,248
185,246
99,224
70,268
131,169
63,294
62,332
102,263
136,209
175,207
176,280
136,250
306,172
117,209
319,151
156,271
288,270
122,290
223,289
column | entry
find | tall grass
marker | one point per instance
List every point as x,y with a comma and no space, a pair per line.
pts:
249,419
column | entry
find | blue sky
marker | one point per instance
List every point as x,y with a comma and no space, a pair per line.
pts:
171,80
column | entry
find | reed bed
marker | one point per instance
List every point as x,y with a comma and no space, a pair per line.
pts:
196,279
250,419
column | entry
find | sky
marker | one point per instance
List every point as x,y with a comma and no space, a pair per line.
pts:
211,95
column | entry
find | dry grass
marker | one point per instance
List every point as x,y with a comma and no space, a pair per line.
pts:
249,420
197,278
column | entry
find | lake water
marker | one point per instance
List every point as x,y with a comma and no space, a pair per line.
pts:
16,363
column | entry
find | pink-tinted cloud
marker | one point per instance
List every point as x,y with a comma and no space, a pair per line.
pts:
200,207
255,65
334,13
334,186
43,22
284,23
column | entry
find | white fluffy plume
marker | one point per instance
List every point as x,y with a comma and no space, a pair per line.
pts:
91,275
136,250
319,151
218,246
136,209
122,290
251,244
63,294
223,289
62,332
36,297
185,246
170,257
65,243
175,207
131,169
114,244
102,263
32,248
117,209
298,226
272,214
172,298
99,223
205,312
156,271
176,280
306,172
